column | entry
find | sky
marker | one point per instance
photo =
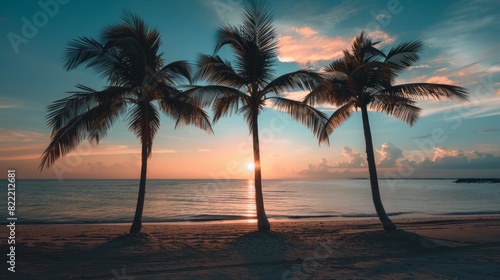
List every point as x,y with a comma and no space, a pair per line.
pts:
462,47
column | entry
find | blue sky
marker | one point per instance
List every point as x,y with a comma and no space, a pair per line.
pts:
462,47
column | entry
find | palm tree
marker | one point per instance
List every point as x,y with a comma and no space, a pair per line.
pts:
248,86
139,83
364,78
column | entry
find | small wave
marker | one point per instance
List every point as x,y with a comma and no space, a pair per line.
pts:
468,213
208,218
374,215
297,217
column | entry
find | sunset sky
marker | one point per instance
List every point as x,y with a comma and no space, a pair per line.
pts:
462,47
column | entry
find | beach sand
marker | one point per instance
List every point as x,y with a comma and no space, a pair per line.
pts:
423,248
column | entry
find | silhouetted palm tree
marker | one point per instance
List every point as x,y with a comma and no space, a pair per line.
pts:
247,87
364,78
139,82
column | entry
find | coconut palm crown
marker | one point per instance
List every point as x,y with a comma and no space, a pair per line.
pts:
140,87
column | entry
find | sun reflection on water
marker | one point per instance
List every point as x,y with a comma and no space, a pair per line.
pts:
250,201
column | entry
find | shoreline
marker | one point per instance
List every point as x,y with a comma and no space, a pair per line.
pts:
425,248
322,218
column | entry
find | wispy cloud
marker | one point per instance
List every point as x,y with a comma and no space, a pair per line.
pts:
6,106
307,46
326,16
488,130
440,80
100,150
419,66
9,103
466,34
20,136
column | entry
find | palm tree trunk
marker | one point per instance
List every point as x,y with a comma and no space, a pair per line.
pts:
262,221
137,224
370,157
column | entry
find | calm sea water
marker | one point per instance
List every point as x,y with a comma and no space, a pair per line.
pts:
113,201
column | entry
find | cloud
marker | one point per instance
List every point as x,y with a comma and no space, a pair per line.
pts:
9,103
100,169
467,33
498,92
307,46
9,106
419,66
394,162
354,159
328,15
441,153
440,80
379,35
20,136
476,108
444,158
389,155
305,31
382,16
297,95
309,49
204,150
488,130
321,168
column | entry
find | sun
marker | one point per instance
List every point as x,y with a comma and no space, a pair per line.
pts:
250,166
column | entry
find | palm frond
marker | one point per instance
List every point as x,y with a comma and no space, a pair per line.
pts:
301,79
374,74
427,91
206,95
92,123
63,110
226,105
338,117
191,114
104,119
231,36
137,46
335,89
312,118
338,65
176,71
250,115
404,54
90,53
254,43
144,122
214,70
183,109
399,107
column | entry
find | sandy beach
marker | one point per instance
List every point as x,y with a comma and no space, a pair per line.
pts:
423,248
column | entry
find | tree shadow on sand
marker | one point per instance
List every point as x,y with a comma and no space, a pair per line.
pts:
393,240
264,253
401,254
130,251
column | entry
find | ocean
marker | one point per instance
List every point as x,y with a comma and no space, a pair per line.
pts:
113,201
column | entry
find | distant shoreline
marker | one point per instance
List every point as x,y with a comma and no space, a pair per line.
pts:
478,180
